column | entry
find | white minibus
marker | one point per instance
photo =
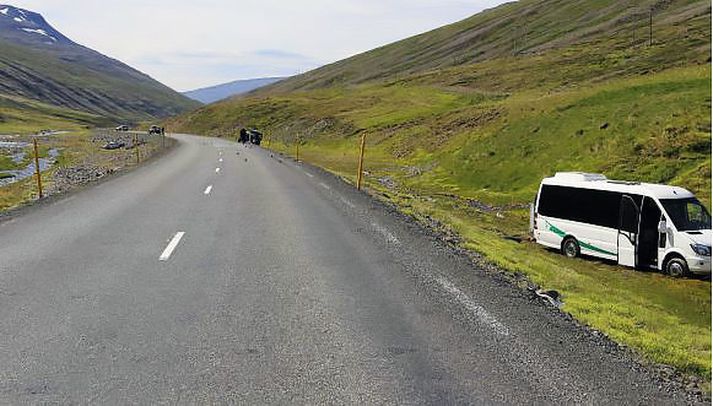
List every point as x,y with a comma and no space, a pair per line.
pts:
640,225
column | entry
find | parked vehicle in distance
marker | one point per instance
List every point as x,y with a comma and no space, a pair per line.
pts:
123,127
155,130
640,225
113,145
250,135
255,136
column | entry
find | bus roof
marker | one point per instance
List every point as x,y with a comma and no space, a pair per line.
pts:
600,182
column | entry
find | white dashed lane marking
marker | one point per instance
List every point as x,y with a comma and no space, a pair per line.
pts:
208,190
171,246
217,170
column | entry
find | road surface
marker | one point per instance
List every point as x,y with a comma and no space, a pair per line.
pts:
220,274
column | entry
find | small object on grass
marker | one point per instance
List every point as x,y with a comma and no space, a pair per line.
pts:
551,296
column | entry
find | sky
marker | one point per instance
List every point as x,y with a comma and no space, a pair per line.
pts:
192,44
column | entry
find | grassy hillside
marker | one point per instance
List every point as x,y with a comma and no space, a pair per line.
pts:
23,116
80,79
465,143
527,28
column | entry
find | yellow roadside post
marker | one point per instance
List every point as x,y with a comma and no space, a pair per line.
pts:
136,147
361,161
37,168
297,146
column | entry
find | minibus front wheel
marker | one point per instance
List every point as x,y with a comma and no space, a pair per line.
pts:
570,247
676,267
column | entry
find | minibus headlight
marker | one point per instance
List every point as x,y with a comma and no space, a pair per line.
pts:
702,250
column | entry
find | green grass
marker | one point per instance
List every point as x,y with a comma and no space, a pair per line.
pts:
23,116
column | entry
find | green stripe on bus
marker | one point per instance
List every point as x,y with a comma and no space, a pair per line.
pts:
590,247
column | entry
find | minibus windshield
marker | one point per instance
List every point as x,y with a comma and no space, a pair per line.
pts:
687,214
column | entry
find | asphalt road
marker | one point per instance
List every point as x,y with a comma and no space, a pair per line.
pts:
286,286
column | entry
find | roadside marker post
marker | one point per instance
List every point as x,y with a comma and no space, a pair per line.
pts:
37,168
651,27
361,161
136,146
297,147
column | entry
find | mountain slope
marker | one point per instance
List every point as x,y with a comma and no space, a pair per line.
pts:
212,94
529,27
37,62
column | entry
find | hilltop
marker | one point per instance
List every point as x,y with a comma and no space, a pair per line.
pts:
38,63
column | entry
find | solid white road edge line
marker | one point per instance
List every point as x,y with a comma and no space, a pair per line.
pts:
208,189
171,246
479,312
324,185
309,174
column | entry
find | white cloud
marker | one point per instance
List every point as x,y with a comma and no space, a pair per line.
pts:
189,44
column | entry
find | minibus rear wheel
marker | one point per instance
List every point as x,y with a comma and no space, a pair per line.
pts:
570,247
677,267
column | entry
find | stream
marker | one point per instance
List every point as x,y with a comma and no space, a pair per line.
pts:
8,177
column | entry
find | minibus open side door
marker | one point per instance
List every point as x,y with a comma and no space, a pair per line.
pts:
627,235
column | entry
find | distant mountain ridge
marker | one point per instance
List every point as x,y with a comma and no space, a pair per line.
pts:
37,62
212,94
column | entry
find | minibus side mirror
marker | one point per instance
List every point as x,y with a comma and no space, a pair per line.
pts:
663,228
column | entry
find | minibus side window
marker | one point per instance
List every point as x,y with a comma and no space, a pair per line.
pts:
629,215
597,207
